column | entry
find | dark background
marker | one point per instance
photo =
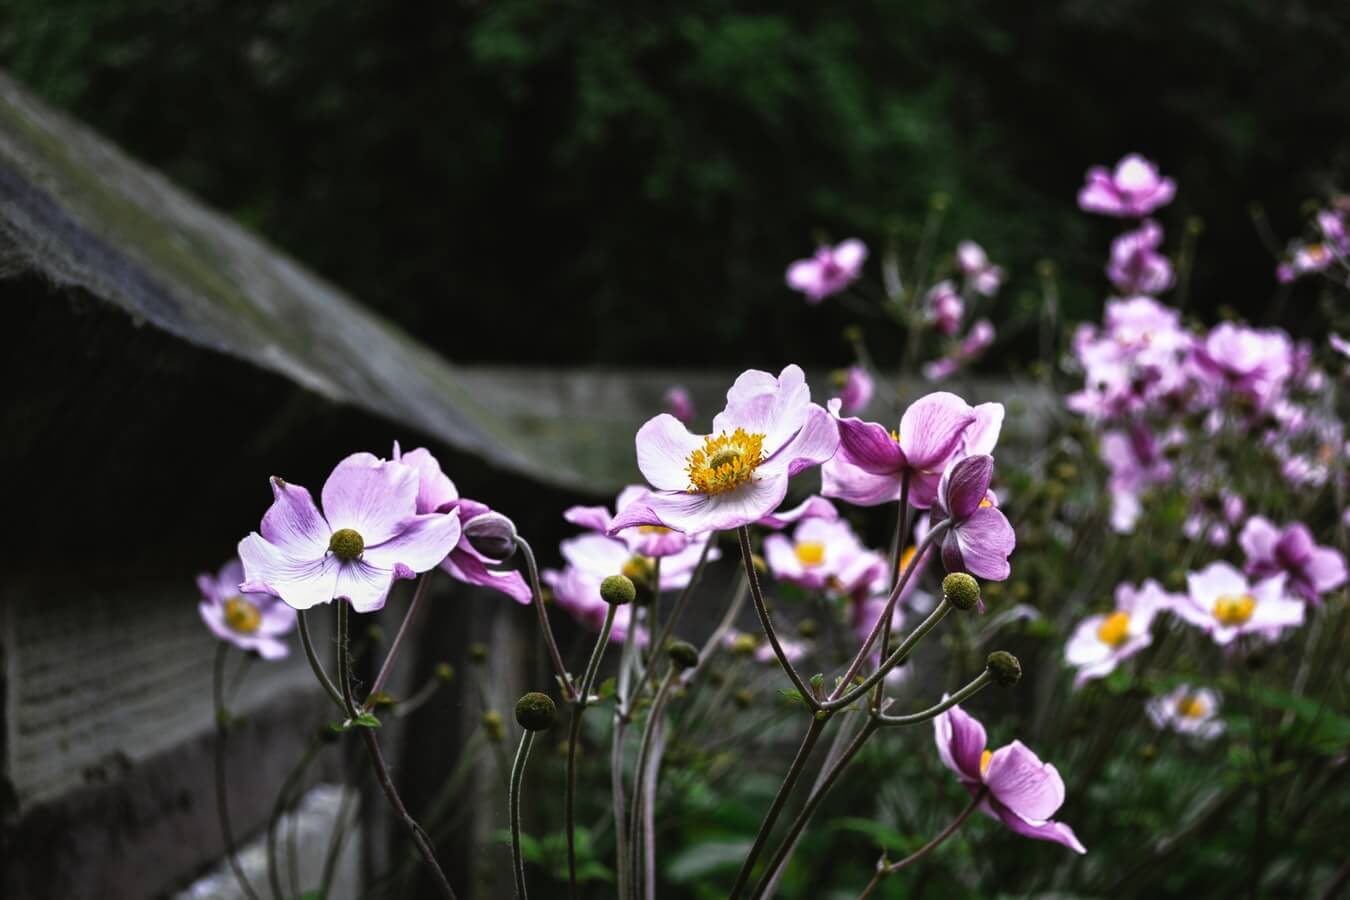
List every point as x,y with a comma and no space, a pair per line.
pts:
567,182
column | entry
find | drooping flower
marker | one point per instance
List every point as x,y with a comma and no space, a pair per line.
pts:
856,388
1136,266
817,554
768,432
1311,570
976,341
1103,641
872,462
945,307
979,539
368,535
1187,710
436,493
252,621
1020,791
679,404
578,593
982,276
1221,601
1133,190
829,271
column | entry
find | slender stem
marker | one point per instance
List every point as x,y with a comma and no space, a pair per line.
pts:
752,579
419,698
513,801
335,841
308,643
287,787
733,612
640,773
582,697
344,661
649,811
222,798
894,659
545,629
418,596
818,722
977,684
933,534
884,870
669,626
621,827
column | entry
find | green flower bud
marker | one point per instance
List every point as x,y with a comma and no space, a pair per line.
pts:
744,645
961,590
807,628
1004,667
493,725
445,672
536,712
478,653
683,655
616,590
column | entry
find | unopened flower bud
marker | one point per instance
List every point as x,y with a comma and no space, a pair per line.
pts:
491,534
1004,667
683,655
743,698
616,590
492,725
744,645
478,653
445,672
536,712
961,590
807,628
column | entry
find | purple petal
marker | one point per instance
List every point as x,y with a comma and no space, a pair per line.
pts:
813,507
595,554
663,449
1258,539
435,490
982,435
420,543
844,481
1018,779
596,518
760,403
371,496
965,484
302,583
1295,546
932,427
960,741
466,567
815,443
697,513
1326,569
363,586
870,447
1056,832
985,541
293,524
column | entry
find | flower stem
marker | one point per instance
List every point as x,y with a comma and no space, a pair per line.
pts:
517,776
545,629
222,797
883,870
621,828
308,643
640,774
418,595
818,722
287,787
344,661
579,702
752,579
669,626
893,660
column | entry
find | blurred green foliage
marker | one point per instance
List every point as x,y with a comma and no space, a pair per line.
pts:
635,179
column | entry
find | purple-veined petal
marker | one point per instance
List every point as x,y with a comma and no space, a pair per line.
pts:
813,507
364,586
596,518
982,435
371,496
960,742
1326,569
870,447
932,427
815,443
663,449
435,490
292,523
420,543
302,583
596,554
760,403
697,513
964,485
1056,832
985,540
1018,779
844,481
464,566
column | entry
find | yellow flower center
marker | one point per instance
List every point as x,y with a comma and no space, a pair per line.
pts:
242,616
984,761
725,462
1233,609
346,544
810,553
653,529
1191,707
907,557
1115,628
639,569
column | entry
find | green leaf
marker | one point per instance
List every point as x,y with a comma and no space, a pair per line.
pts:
366,720
607,688
883,835
704,859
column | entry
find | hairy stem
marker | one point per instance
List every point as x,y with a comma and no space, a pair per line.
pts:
308,643
640,773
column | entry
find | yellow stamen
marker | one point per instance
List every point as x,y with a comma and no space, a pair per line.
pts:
1233,609
639,569
1115,628
907,557
810,553
984,761
242,616
986,503
653,529
1191,706
725,462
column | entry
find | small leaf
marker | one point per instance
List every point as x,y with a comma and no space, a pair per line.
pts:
378,699
366,720
607,688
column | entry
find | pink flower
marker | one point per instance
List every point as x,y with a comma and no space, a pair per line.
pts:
829,271
936,429
1021,791
1226,606
645,540
436,493
600,556
1187,710
1103,641
369,534
813,507
982,276
1135,364
945,307
1133,190
578,592
1136,266
679,404
855,390
1339,344
1250,362
768,432
251,621
1311,570
976,341
979,540
818,553
1135,458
